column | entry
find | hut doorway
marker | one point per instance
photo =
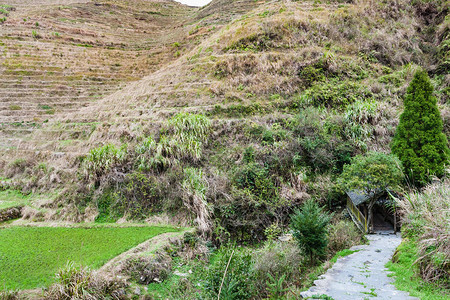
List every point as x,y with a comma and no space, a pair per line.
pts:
384,219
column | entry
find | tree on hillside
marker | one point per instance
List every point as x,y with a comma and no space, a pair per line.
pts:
374,174
309,228
419,141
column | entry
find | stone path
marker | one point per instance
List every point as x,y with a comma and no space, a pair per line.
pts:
361,275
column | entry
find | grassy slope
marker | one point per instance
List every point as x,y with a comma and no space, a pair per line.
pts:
405,272
11,198
32,255
264,69
420,265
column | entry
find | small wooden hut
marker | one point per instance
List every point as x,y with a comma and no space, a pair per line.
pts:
384,217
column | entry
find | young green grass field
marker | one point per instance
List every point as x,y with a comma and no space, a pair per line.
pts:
11,198
30,256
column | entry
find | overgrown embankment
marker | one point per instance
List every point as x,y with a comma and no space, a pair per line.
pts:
421,264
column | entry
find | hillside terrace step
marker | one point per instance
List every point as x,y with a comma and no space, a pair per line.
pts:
25,83
49,152
52,93
35,112
107,74
53,99
68,51
51,108
86,78
11,88
45,82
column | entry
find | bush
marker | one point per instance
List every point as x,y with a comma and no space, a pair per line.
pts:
309,228
343,235
81,283
136,197
337,95
145,270
238,281
257,180
419,141
276,259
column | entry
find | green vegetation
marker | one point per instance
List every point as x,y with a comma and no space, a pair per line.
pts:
32,255
374,174
13,198
309,227
264,271
419,141
337,95
74,282
422,261
100,160
35,34
273,111
405,271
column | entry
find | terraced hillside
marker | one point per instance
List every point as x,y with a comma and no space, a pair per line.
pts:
56,59
242,63
266,59
59,57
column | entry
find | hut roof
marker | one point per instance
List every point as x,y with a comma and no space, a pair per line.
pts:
359,197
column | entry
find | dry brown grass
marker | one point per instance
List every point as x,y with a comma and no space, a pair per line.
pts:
428,221
81,283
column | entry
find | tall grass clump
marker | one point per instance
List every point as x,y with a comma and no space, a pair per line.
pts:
194,197
189,132
427,223
183,139
102,160
74,282
9,295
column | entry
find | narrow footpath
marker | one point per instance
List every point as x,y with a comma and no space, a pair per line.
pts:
361,275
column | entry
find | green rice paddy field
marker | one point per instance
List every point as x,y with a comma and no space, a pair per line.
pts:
30,256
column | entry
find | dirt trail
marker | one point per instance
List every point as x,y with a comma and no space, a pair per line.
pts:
361,275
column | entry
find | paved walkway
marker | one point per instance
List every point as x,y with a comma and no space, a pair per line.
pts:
362,275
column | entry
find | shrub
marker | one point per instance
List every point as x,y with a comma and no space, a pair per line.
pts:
419,141
105,203
238,281
337,95
136,197
309,228
81,283
343,235
276,259
256,179
145,270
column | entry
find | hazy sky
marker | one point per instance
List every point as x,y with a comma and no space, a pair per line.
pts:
194,2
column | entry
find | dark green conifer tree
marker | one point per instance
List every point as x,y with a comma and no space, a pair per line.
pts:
419,141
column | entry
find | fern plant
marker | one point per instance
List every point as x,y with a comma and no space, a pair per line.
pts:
275,287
